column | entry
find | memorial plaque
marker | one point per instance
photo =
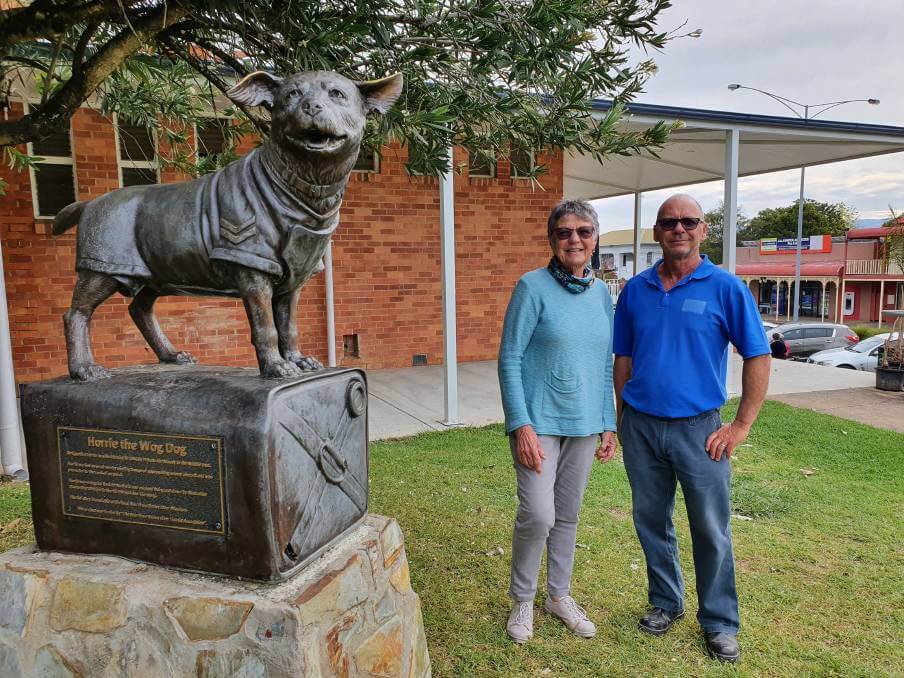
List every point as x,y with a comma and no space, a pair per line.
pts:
205,468
173,481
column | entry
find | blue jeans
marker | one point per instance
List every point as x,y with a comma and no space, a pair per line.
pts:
658,452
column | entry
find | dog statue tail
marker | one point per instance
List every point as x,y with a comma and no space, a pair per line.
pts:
68,217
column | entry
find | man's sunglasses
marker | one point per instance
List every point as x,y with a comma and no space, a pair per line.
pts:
688,223
584,232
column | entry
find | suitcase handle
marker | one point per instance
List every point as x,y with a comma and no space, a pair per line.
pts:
331,464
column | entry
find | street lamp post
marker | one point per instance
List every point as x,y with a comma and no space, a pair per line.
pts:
796,107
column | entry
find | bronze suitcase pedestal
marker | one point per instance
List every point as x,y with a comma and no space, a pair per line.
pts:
203,468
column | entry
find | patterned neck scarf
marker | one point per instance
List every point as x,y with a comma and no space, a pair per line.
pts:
570,282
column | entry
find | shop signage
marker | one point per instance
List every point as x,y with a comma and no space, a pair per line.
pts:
810,244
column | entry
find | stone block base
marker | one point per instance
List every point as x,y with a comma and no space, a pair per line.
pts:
351,612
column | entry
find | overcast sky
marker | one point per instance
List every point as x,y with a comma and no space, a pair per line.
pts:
811,51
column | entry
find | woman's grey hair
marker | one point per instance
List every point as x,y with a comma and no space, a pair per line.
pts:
580,208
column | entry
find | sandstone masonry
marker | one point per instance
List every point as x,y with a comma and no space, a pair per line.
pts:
350,613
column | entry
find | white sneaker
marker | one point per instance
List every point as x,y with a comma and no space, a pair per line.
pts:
520,625
572,615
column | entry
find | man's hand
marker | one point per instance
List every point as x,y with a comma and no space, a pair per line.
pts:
606,447
754,382
530,454
726,439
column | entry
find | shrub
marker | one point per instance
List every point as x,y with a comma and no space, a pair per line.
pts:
865,332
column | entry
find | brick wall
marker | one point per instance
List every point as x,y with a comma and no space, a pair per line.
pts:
386,269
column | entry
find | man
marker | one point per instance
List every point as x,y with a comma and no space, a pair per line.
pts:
673,324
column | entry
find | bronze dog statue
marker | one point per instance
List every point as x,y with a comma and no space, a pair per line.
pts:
256,229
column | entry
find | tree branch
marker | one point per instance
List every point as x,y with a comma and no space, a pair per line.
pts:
225,57
52,115
48,82
38,21
78,53
25,61
209,75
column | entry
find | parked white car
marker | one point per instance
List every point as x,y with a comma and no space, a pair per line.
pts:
861,356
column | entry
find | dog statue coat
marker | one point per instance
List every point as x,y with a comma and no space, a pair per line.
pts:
256,229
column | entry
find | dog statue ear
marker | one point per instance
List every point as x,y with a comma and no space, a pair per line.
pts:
255,89
380,95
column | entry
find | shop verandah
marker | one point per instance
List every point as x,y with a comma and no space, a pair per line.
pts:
838,299
773,288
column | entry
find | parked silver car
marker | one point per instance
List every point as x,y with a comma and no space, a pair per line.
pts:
861,356
806,338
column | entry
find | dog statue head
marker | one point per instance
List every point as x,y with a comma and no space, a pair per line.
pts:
318,117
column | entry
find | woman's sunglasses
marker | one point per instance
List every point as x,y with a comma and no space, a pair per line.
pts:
584,232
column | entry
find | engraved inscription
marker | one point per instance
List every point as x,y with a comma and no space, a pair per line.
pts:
155,479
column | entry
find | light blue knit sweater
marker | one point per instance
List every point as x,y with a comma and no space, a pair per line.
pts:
555,358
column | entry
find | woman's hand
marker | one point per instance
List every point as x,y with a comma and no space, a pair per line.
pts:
530,454
606,449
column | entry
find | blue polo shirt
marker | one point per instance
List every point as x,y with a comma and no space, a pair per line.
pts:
678,340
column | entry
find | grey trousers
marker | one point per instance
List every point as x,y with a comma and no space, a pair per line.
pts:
548,507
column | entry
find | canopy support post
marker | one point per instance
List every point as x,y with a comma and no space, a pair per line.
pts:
730,220
11,452
447,248
638,232
730,201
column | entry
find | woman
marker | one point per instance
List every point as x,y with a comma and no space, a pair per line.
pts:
555,373
779,346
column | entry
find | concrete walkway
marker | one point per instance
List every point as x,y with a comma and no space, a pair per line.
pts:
882,409
407,401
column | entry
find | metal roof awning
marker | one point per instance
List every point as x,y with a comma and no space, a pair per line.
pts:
696,152
867,233
786,270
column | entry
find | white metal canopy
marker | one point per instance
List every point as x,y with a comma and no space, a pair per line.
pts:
719,145
696,152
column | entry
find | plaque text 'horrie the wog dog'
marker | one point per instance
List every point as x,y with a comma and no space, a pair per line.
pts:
162,480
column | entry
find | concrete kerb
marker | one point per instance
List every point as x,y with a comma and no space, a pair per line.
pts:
409,401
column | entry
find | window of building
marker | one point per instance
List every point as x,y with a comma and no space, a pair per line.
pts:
52,179
627,259
608,262
649,258
522,163
137,155
480,165
368,161
212,136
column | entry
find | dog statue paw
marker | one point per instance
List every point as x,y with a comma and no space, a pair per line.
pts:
281,369
90,373
180,358
305,362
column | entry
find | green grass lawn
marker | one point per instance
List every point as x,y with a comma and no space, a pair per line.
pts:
819,565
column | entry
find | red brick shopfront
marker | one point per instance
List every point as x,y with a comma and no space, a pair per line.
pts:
386,258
